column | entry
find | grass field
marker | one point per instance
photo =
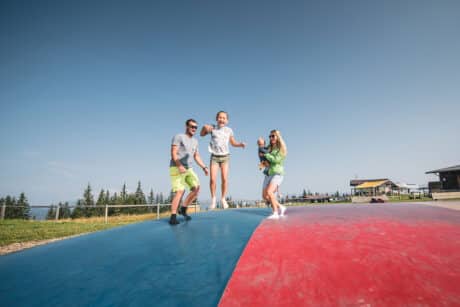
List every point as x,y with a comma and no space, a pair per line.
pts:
17,231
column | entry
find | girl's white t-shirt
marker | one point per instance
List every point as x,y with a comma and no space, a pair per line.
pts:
220,138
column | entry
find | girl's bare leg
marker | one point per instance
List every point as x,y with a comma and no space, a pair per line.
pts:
224,183
212,183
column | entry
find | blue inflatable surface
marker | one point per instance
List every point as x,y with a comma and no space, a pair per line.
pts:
145,264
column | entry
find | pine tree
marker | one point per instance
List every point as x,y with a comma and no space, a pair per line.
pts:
100,204
130,200
51,214
123,199
88,197
140,199
114,200
107,197
123,193
88,202
64,212
101,198
11,211
24,209
151,200
79,210
151,197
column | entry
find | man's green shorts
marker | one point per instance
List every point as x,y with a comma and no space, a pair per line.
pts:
180,182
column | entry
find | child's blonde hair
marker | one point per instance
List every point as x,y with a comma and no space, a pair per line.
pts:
280,144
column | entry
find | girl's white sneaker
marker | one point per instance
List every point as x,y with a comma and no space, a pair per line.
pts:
274,216
213,203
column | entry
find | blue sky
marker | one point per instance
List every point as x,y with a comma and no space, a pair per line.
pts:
93,91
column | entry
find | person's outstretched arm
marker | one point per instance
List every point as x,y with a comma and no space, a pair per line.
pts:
205,130
236,144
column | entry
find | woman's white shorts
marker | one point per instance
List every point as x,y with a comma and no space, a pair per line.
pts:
274,179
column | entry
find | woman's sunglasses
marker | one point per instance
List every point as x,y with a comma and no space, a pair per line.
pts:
272,136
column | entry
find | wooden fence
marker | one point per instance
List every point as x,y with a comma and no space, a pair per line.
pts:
105,207
193,206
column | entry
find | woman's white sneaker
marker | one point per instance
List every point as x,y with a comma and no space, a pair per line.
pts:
282,210
274,216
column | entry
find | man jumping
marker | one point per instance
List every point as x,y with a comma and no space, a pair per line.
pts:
184,149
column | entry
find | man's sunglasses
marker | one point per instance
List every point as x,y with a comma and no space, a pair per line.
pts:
193,127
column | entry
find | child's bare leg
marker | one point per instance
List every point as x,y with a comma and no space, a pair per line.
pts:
224,183
212,183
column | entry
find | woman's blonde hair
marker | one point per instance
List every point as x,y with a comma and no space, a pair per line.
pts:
280,144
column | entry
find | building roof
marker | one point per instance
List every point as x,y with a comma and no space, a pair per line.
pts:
371,184
406,185
455,168
355,182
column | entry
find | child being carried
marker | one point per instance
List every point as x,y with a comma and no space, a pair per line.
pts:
264,164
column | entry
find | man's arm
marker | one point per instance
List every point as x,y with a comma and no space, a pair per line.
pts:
176,160
200,163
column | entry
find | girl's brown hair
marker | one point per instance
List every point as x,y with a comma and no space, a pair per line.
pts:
218,113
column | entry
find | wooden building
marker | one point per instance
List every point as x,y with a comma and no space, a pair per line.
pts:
370,187
364,190
448,185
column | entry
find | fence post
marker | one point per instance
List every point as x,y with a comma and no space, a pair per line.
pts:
106,214
158,211
57,213
2,215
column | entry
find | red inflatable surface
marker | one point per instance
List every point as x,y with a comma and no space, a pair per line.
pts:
351,255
